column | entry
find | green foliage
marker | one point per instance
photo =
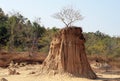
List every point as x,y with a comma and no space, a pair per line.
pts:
46,39
20,34
3,28
101,44
3,35
16,25
38,30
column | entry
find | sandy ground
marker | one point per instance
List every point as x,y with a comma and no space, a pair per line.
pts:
26,75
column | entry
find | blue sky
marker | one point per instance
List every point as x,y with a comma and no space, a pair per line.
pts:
102,15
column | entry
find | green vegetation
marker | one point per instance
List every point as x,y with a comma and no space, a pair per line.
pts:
18,33
101,44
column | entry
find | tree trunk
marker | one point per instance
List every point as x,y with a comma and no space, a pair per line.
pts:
67,54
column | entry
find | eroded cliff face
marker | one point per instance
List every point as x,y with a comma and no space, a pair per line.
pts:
67,54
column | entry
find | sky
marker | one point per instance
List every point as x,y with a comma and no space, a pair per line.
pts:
102,15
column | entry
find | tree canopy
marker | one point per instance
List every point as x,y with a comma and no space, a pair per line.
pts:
19,33
68,16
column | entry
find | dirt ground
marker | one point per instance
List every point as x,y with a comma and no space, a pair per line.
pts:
30,73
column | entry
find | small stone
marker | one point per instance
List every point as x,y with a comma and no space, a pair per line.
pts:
13,72
32,72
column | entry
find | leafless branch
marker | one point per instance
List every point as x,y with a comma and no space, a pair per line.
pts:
68,16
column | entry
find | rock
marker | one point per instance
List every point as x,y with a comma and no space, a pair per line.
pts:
13,72
32,72
105,66
23,64
3,79
11,64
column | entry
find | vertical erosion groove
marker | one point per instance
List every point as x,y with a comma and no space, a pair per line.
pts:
67,54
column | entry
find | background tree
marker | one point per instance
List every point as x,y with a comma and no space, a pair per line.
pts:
16,23
4,35
18,32
38,32
47,38
68,16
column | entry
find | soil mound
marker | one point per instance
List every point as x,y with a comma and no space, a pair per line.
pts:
67,54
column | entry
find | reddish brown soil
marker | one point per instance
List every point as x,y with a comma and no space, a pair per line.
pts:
6,58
